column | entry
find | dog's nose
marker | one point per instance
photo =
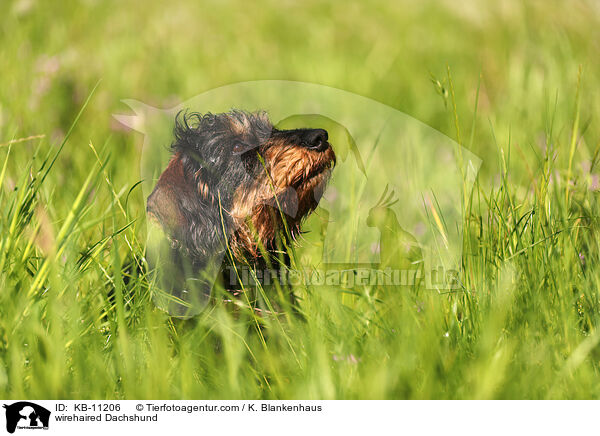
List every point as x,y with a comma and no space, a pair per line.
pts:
315,139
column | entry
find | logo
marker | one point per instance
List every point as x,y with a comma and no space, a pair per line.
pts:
26,415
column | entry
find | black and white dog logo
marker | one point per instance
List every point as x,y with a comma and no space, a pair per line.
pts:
26,415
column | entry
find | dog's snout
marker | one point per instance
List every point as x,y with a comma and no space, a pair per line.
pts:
316,139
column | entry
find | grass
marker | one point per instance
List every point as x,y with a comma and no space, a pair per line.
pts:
512,83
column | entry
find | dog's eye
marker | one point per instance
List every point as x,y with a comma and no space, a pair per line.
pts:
242,147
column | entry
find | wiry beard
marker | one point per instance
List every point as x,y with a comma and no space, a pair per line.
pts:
288,188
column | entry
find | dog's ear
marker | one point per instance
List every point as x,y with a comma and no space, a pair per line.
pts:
163,204
189,218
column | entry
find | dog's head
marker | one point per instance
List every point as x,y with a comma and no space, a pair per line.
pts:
235,178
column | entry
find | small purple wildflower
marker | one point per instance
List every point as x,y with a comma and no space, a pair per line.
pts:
595,183
351,358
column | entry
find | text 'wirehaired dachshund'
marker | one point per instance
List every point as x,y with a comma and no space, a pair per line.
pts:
236,187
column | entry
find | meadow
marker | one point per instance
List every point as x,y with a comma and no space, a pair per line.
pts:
513,82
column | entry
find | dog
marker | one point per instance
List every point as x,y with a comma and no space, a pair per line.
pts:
235,188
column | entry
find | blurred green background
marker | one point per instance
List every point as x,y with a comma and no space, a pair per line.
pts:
514,82
527,54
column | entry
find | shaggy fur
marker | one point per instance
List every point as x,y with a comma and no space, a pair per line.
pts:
234,179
